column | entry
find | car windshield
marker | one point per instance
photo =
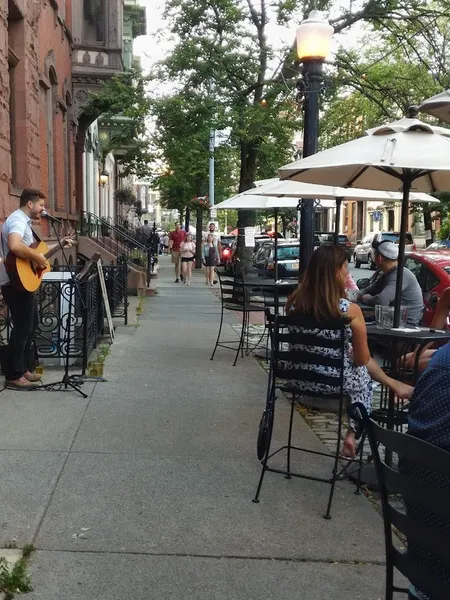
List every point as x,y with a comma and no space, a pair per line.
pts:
227,239
342,238
287,252
447,269
395,237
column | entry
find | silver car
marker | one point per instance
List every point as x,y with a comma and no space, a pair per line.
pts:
364,253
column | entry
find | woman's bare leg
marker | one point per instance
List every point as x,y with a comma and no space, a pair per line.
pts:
184,270
189,271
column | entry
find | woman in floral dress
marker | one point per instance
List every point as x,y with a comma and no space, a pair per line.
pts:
321,296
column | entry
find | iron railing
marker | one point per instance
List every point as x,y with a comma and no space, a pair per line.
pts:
132,246
87,310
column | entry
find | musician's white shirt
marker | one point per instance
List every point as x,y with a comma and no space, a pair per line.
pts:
17,222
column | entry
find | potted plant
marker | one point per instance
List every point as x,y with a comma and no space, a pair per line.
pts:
125,196
95,367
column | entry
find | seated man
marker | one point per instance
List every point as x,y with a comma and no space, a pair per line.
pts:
429,420
382,291
439,322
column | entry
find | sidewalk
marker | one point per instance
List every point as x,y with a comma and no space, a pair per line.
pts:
143,491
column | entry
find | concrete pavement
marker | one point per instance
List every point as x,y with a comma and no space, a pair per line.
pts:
144,490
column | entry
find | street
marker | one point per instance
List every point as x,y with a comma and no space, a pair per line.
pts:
362,272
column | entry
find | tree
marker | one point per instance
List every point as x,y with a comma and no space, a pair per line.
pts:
124,107
181,145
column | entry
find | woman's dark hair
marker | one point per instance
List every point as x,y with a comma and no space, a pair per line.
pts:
320,290
30,195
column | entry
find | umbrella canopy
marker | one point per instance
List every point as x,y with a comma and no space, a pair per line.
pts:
286,191
244,201
381,160
406,154
438,106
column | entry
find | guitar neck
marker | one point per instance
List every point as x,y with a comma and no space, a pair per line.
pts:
53,251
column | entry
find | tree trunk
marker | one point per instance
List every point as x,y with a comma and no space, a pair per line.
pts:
198,239
246,218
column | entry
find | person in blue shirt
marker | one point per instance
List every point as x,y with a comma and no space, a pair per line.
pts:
429,420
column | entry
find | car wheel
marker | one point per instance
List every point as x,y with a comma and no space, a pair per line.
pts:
356,261
372,265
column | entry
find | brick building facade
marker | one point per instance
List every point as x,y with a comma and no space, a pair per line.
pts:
36,125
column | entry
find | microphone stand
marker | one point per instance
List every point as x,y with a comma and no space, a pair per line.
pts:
74,382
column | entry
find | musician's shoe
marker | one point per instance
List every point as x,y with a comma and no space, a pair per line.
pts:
32,376
22,383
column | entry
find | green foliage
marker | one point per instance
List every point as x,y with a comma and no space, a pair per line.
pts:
125,196
123,105
15,580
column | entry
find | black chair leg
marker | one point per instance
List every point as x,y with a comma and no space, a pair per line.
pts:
218,335
335,467
288,476
360,463
266,456
241,340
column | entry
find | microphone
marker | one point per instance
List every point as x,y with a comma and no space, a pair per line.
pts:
50,217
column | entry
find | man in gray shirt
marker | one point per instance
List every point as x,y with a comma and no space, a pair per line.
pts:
382,291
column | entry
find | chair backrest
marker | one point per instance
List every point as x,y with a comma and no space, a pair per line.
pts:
300,346
232,290
423,481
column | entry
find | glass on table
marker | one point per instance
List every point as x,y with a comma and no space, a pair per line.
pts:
384,316
352,295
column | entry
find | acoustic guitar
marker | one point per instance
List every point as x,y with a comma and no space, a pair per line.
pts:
23,273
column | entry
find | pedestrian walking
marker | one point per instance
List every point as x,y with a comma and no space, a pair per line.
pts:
166,243
210,257
176,237
187,251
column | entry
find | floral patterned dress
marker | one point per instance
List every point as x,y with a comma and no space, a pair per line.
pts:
357,381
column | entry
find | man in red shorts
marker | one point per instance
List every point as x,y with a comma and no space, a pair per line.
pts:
176,237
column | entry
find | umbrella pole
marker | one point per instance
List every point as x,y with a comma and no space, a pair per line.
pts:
337,220
407,180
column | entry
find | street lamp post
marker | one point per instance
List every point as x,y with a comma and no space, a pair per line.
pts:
313,45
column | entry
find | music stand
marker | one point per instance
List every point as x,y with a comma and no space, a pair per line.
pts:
68,381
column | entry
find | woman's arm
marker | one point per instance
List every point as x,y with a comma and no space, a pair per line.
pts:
361,354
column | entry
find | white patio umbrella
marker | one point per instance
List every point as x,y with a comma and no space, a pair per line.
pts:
406,154
438,106
286,193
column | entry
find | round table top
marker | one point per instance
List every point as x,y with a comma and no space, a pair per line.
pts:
421,335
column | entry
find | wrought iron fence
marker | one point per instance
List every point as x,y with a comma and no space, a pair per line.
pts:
87,314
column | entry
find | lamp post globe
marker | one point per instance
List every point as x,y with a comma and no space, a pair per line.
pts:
104,178
314,36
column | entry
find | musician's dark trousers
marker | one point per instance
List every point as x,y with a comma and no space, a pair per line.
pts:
24,314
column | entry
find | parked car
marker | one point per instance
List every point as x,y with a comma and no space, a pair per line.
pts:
328,236
439,245
287,257
364,252
432,270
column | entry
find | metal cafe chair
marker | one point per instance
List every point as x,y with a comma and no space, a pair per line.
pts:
422,479
236,297
288,364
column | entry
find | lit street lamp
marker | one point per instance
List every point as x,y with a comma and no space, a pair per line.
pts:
104,177
314,36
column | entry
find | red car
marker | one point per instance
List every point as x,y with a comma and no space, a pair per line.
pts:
432,270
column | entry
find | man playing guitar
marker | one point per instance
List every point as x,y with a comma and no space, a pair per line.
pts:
17,237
